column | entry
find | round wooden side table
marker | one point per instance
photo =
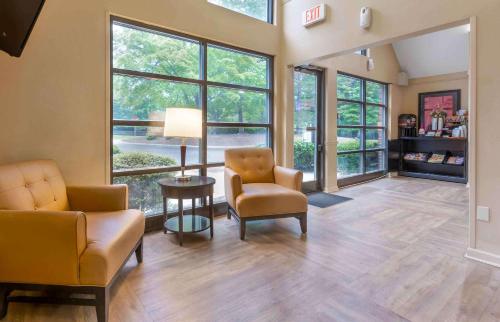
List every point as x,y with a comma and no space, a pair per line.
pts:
197,187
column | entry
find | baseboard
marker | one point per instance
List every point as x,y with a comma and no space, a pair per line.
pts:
331,189
392,174
483,257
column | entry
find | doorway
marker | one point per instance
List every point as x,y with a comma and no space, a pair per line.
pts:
308,139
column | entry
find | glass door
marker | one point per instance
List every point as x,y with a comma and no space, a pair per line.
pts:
308,126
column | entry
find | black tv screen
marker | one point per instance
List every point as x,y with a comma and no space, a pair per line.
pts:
17,18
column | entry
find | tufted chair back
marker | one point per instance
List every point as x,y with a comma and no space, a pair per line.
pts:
254,165
32,185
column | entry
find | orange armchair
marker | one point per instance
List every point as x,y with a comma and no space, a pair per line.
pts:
256,189
71,239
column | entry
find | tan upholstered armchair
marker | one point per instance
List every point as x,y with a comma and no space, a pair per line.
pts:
256,189
58,238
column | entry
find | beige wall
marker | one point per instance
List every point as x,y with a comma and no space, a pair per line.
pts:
433,84
396,105
53,99
386,70
392,20
386,64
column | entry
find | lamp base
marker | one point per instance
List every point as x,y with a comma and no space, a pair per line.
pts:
183,178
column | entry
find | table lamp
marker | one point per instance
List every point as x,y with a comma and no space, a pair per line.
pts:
183,123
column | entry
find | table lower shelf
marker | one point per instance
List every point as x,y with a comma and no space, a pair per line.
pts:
191,224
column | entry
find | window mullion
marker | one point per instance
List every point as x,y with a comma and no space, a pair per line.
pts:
270,11
204,143
363,82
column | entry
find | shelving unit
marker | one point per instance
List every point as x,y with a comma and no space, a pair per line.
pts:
434,171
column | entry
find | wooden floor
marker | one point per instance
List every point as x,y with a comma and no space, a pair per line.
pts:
393,253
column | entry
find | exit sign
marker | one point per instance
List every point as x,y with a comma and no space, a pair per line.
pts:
313,15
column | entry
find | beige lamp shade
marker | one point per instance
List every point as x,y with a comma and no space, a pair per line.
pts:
183,122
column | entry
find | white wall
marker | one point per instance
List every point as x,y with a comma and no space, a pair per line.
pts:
438,53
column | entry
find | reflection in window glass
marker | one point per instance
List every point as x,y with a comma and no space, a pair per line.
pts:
136,98
375,115
154,52
154,70
218,174
375,93
253,8
233,67
348,113
137,147
305,124
349,164
375,138
348,139
349,88
236,105
222,138
145,193
361,127
375,161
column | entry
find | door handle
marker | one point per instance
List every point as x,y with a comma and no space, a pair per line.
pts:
320,148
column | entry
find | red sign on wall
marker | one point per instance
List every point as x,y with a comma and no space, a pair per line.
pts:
313,15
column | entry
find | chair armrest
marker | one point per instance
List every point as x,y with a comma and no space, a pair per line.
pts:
289,178
233,186
41,247
98,198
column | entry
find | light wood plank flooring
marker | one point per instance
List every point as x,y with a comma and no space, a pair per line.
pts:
394,253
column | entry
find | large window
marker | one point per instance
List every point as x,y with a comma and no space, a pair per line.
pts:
361,128
259,9
154,69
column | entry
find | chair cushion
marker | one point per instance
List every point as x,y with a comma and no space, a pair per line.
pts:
32,185
252,164
111,236
261,199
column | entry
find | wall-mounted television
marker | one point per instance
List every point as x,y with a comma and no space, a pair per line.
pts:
17,19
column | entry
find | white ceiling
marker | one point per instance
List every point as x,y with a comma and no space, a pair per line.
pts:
438,53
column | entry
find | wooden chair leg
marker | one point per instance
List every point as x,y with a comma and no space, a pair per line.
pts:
102,304
243,227
303,223
4,292
138,251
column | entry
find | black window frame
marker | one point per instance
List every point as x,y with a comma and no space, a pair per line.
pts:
365,176
201,81
318,72
270,11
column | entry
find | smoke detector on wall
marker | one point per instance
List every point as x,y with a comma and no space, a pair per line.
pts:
365,17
